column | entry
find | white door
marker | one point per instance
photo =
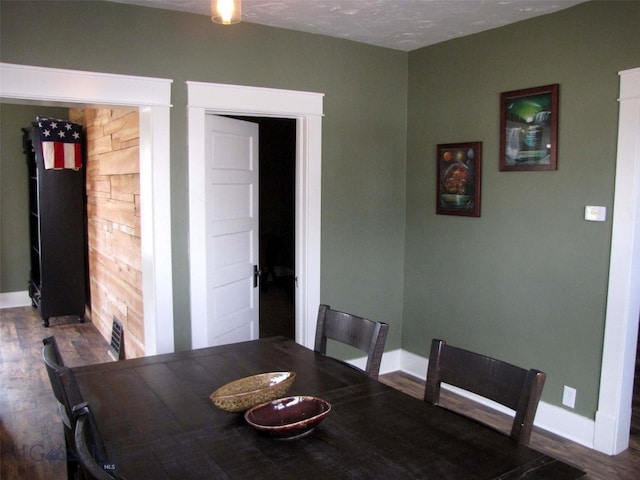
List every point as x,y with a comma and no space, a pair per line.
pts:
231,156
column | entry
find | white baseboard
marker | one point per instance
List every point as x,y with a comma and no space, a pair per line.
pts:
15,299
549,417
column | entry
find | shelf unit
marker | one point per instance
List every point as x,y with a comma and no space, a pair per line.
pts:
57,278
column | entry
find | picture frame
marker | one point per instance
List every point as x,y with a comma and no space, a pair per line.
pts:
529,129
459,172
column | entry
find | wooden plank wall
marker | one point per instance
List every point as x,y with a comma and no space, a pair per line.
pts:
113,222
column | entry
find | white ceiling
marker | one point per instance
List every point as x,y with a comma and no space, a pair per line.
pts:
398,24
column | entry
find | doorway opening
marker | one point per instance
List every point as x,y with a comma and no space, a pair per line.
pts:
277,157
277,153
305,108
277,226
23,84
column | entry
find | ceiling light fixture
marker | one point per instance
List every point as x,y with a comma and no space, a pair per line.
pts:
226,12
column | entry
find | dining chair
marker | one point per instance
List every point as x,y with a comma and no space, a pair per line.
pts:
358,332
91,450
67,393
514,387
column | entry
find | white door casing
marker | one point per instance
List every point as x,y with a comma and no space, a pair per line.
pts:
306,109
613,417
74,88
232,228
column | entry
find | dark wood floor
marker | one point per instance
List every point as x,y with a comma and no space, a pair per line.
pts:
31,437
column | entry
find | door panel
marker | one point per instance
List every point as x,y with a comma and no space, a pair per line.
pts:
232,201
231,151
229,250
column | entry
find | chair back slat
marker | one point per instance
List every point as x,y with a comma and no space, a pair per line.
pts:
361,333
514,387
482,375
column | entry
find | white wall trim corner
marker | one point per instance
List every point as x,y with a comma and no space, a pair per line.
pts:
306,108
73,88
613,417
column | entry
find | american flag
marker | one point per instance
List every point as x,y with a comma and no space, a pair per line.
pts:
61,143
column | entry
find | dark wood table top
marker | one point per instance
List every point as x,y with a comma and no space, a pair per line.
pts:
157,421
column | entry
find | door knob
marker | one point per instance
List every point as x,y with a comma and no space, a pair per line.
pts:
256,274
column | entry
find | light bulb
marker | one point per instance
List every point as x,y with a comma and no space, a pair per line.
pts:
226,12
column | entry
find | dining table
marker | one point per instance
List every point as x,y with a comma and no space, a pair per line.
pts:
157,421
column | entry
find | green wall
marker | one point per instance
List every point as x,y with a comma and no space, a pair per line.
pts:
14,197
364,127
527,281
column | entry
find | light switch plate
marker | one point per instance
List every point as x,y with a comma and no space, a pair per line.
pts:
594,213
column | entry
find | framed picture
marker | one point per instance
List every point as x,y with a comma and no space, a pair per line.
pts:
459,172
529,129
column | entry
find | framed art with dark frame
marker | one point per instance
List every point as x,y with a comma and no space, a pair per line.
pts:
458,179
529,129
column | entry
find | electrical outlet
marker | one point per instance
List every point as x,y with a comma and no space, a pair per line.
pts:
569,397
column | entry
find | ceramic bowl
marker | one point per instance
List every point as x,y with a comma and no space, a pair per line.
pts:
289,417
242,394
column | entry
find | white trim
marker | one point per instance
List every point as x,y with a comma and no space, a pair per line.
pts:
155,224
566,424
153,95
26,82
14,299
613,417
306,108
240,100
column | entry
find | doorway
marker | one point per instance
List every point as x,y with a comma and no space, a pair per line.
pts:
305,109
259,297
23,83
277,153
277,226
